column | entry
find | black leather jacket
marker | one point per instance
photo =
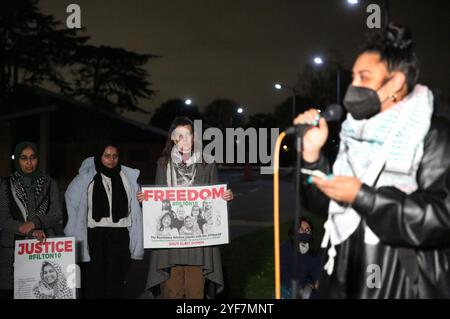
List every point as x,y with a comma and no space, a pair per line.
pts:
413,254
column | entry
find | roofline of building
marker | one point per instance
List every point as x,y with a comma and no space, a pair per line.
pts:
45,92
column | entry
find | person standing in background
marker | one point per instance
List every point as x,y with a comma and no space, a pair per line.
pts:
29,208
106,219
184,272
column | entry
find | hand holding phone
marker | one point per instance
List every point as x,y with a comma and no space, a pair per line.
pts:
315,173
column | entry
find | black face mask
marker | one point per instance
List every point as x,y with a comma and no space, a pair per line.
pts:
304,238
362,103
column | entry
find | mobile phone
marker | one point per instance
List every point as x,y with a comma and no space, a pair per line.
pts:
315,173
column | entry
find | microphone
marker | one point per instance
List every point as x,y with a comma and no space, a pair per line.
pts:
333,112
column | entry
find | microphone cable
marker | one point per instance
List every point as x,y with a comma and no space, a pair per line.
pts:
276,212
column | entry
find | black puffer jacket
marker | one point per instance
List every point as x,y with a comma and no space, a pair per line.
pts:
413,254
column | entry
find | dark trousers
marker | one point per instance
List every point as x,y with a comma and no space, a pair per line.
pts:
104,276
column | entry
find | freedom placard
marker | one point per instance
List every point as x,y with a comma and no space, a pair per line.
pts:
45,270
182,217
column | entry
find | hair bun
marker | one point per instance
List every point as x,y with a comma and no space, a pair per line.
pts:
398,37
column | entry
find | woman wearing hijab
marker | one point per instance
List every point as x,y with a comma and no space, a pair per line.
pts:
106,219
53,283
29,208
183,273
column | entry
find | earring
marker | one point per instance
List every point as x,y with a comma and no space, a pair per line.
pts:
394,97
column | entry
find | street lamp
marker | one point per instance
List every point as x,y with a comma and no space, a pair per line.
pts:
319,61
280,86
387,9
239,110
188,101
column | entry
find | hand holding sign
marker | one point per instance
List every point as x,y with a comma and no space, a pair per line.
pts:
228,195
39,235
140,197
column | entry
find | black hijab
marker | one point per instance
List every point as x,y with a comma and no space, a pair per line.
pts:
100,203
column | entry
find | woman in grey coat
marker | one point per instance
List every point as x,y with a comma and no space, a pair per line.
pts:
29,208
184,273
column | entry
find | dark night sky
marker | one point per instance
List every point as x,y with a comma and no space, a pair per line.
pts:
239,48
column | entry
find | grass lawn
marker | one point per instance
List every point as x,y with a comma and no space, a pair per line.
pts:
248,263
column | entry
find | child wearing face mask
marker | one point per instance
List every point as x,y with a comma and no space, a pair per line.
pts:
308,262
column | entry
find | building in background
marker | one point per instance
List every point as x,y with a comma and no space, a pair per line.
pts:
67,131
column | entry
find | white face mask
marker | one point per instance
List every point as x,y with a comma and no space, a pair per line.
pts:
304,247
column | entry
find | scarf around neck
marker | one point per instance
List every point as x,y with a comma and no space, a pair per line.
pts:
361,143
40,190
119,200
181,170
57,290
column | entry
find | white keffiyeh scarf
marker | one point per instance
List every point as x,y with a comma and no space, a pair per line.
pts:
180,171
395,138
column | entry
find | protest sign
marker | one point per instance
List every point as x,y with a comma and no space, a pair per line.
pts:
45,270
181,217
